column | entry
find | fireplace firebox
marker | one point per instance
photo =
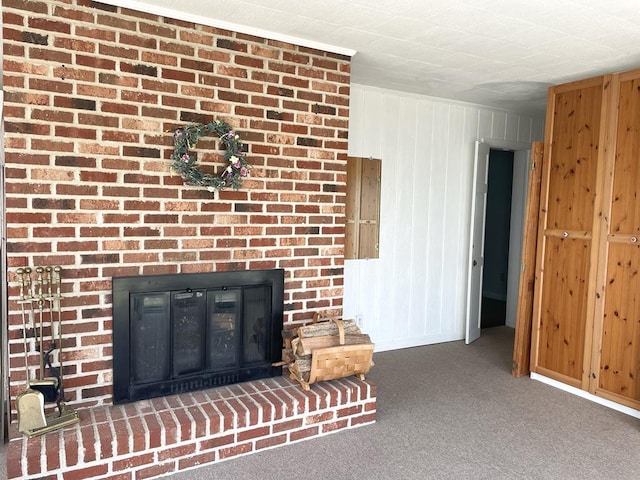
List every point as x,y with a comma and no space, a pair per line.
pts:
184,332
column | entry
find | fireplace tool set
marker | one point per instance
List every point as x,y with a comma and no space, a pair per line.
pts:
40,307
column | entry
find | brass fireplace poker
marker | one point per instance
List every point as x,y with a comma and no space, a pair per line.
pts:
38,301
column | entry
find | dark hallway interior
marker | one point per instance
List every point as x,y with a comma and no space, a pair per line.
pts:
497,227
493,312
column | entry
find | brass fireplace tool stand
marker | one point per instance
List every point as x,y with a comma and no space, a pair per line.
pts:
40,306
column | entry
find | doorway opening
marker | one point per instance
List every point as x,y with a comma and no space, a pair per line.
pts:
511,164
493,312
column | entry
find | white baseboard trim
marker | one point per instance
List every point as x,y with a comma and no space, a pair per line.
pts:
415,342
589,396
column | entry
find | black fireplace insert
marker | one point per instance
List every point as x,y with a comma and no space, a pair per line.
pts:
184,332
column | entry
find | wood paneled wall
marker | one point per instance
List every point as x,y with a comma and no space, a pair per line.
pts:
415,293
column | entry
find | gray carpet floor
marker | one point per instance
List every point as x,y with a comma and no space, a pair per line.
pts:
453,411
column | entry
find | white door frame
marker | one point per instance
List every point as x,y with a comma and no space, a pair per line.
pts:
512,293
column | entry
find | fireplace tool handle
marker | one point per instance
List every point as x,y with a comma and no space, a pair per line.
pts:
53,371
29,294
29,297
48,271
39,285
58,297
23,298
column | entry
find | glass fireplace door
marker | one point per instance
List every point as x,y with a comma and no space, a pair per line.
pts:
188,331
224,309
256,332
149,337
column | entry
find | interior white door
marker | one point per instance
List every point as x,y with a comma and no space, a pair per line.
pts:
476,243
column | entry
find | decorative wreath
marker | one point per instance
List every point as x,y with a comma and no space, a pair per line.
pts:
184,161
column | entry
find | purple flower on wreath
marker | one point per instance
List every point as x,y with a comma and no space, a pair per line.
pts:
185,157
244,172
231,134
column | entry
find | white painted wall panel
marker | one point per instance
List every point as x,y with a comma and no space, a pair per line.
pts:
415,293
537,131
499,128
454,272
485,123
524,128
512,127
419,234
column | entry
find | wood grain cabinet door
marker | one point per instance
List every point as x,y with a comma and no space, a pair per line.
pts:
565,266
586,311
615,370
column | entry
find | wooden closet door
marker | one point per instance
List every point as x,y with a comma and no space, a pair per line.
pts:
562,305
616,352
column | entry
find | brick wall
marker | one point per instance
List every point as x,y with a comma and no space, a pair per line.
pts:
91,92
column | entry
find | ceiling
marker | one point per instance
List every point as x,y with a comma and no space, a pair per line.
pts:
502,53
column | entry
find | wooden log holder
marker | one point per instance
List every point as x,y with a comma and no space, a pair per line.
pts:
328,350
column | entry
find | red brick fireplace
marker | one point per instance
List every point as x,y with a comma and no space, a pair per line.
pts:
90,94
156,437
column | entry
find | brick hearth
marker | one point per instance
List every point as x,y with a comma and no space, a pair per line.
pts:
152,438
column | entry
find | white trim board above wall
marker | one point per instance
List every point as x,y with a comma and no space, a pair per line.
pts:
187,16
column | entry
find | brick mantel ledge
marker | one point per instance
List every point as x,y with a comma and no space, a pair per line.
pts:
152,438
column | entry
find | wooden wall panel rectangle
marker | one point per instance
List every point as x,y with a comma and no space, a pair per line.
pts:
362,209
351,237
620,360
368,239
625,206
573,160
369,188
562,320
353,189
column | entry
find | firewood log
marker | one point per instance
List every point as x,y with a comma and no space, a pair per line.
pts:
298,375
287,355
288,335
306,345
327,328
301,368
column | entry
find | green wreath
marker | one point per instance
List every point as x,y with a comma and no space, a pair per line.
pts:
184,161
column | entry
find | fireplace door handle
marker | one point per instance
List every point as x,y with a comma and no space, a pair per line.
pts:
185,295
